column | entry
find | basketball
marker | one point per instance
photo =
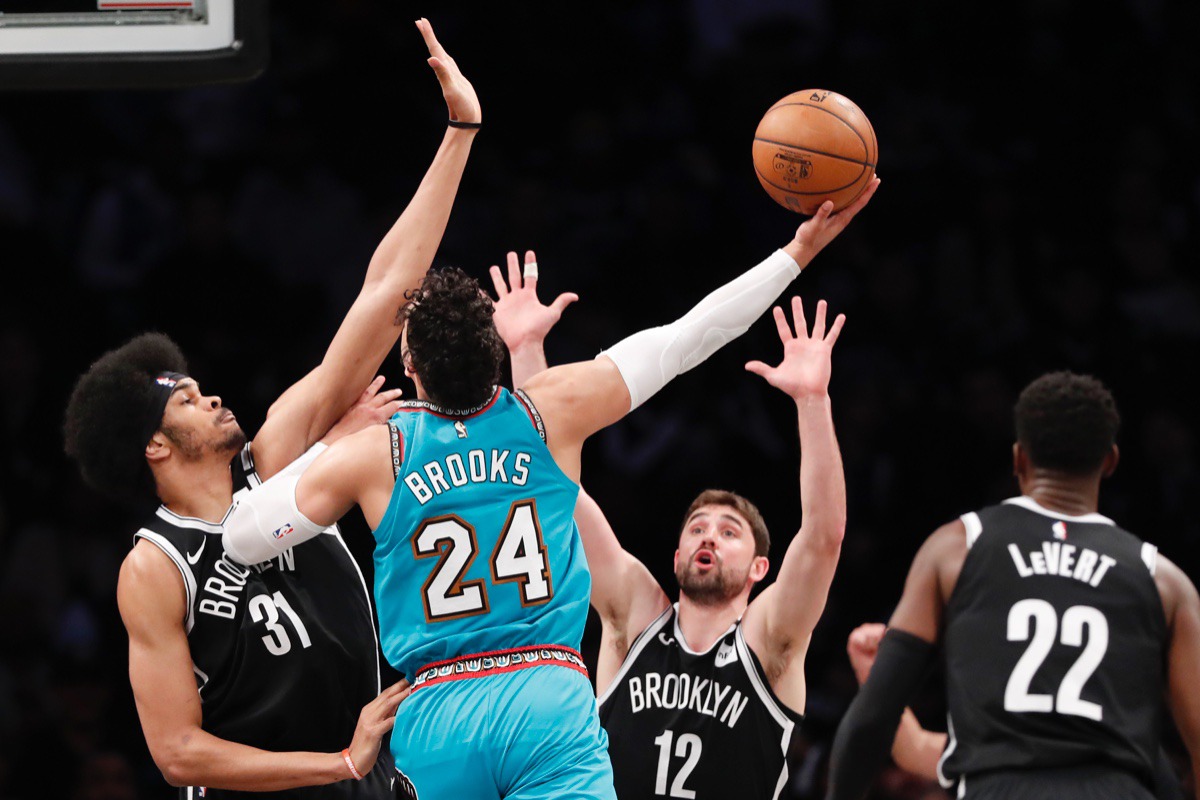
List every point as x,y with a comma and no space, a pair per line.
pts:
814,145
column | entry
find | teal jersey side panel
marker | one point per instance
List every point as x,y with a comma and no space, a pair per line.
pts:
478,549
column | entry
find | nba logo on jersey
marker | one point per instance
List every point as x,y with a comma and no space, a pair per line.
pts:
279,533
461,429
1060,530
726,654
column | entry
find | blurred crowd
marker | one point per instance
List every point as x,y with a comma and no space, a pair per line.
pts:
1040,210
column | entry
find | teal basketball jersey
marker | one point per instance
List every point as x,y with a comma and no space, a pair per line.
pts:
478,549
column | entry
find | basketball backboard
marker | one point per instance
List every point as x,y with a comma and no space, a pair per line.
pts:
116,44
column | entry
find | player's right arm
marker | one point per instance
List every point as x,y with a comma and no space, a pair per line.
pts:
625,595
151,599
576,400
1181,604
307,410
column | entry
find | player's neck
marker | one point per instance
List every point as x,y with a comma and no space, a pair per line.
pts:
702,625
1065,494
199,489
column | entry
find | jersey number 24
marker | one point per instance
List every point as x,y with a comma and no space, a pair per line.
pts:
519,557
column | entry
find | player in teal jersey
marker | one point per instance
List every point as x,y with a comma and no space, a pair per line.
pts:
481,583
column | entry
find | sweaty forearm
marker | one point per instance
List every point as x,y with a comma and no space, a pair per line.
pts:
822,479
219,764
650,359
527,360
407,249
916,750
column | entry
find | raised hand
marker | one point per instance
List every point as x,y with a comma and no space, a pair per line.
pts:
520,317
372,407
863,646
374,722
824,226
461,101
806,364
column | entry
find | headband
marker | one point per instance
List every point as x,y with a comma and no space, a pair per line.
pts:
162,389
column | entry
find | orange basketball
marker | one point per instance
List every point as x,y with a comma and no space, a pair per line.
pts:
812,146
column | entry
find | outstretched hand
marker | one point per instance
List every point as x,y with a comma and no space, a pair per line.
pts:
806,364
461,101
372,407
824,226
520,317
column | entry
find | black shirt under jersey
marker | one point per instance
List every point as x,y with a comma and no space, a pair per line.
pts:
284,652
1055,645
696,725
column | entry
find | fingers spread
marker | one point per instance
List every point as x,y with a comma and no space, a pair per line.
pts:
563,300
514,271
836,330
758,368
781,324
498,281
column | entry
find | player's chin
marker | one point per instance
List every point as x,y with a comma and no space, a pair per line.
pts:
234,441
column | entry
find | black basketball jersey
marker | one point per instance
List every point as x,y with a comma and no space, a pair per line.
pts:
696,725
284,652
1055,646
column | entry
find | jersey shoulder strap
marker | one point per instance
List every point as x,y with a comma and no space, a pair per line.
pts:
635,650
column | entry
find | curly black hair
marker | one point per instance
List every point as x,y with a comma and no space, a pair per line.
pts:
453,344
103,427
1067,422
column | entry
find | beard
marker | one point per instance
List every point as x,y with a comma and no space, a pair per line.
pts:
193,448
719,585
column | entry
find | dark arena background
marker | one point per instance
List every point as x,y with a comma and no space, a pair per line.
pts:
1040,209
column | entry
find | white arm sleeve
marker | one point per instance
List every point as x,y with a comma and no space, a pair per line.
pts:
265,520
650,359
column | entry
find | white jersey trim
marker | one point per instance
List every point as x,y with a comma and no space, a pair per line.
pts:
366,593
635,650
1029,503
760,686
189,580
683,642
194,523
974,527
951,743
769,702
1150,556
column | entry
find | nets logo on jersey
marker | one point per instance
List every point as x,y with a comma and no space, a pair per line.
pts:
283,531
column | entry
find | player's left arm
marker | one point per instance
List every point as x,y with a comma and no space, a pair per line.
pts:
307,410
521,319
298,504
780,621
1182,606
865,735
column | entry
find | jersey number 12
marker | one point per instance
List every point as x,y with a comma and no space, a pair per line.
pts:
519,557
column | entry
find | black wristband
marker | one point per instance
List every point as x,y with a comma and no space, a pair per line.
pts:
456,124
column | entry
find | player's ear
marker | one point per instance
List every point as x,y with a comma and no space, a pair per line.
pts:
759,568
1110,462
158,448
1018,457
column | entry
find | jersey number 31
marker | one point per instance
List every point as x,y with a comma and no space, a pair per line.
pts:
519,557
